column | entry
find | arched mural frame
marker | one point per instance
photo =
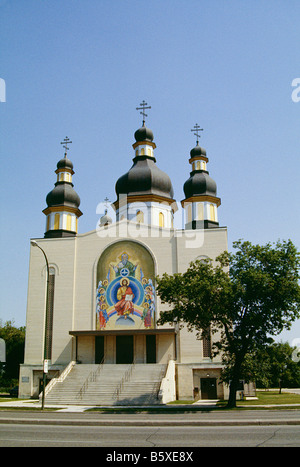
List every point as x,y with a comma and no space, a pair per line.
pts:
125,287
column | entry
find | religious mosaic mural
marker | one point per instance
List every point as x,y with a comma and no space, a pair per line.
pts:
125,291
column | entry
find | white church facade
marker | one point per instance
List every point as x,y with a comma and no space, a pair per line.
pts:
92,301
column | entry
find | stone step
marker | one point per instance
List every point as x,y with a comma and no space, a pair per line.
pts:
141,387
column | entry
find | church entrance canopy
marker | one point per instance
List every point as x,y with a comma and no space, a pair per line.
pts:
125,346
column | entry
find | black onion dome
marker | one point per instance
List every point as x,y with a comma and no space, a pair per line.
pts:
200,183
143,134
65,163
63,194
145,177
197,151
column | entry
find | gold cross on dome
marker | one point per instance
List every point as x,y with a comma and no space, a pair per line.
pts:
66,141
196,130
143,107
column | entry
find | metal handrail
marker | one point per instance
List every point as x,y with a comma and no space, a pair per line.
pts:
126,377
92,377
58,379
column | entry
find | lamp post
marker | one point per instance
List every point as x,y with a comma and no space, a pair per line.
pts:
45,361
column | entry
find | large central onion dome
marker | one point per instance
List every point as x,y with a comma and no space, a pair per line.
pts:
144,177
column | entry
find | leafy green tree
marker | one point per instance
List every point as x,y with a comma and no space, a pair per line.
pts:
279,368
15,341
247,296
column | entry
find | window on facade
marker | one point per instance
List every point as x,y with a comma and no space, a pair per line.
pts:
200,211
189,213
212,212
140,217
69,221
50,310
56,221
206,343
161,220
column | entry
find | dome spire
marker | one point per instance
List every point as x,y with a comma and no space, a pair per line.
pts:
147,189
63,202
143,108
196,130
201,201
66,141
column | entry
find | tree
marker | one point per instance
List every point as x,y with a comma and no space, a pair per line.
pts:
247,296
279,367
15,341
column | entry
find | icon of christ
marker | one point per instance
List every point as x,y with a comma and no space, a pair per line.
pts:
125,297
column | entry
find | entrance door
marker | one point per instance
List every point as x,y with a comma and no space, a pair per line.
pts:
99,349
124,349
151,348
208,388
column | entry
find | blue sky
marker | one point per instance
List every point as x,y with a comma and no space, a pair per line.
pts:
80,68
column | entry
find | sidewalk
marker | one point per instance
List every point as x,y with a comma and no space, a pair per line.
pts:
36,404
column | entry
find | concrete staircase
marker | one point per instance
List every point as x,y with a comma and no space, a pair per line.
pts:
143,385
108,384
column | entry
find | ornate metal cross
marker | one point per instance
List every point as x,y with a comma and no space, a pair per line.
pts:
143,108
196,130
106,202
66,141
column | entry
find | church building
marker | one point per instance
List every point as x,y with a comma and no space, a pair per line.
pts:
92,307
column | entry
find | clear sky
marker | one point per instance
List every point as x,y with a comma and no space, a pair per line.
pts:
80,68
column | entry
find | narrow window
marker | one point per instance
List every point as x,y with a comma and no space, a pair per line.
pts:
189,213
50,310
140,217
56,221
206,343
69,221
200,212
212,212
161,220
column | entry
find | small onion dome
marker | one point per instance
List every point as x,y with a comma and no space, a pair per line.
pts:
197,151
143,134
199,183
63,194
143,178
105,220
65,163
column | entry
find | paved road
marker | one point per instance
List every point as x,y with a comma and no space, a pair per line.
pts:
151,437
240,428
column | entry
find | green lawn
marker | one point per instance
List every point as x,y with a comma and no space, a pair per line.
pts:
272,397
